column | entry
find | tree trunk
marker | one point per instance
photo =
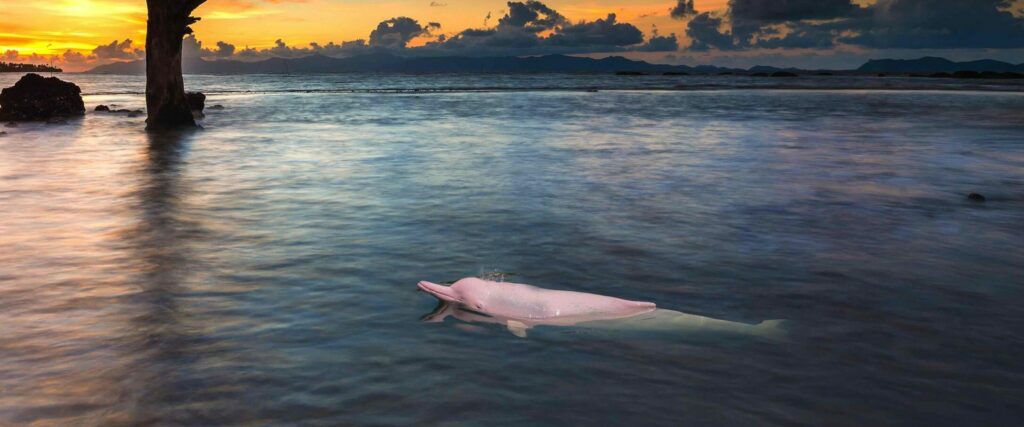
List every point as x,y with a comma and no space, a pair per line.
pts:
168,23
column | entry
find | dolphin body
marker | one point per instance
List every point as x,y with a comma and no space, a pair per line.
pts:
520,307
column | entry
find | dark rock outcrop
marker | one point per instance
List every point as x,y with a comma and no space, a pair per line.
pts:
217,107
107,109
196,101
35,97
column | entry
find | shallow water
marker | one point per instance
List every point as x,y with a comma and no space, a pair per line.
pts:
263,270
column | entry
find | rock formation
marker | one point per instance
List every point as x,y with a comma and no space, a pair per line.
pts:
35,97
196,101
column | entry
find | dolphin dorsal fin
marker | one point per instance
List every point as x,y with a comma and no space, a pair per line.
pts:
517,328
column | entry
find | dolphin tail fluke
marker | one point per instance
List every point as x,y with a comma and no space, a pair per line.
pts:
771,328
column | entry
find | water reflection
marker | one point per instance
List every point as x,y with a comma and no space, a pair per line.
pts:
160,342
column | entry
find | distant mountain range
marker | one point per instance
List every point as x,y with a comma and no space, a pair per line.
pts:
386,63
931,64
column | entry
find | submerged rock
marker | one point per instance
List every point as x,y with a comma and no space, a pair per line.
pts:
976,197
217,107
35,97
102,108
196,101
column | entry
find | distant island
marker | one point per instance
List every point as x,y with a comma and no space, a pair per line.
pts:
931,64
387,63
11,67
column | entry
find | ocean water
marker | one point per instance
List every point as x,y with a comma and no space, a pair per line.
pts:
263,270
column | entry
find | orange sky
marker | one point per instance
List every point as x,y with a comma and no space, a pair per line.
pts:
48,27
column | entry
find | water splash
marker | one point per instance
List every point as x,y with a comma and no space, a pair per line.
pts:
496,275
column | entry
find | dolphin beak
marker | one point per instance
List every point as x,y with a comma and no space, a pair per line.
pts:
442,293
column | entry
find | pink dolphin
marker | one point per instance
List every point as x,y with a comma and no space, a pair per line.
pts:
521,307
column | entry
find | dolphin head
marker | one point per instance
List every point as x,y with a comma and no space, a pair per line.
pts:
468,292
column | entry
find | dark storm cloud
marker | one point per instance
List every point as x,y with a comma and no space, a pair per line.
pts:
705,32
396,32
602,32
939,24
658,43
800,37
822,24
484,40
532,16
519,33
683,9
789,10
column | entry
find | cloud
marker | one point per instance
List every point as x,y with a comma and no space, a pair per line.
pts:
533,16
10,55
224,49
789,10
657,43
397,32
532,28
705,32
602,32
683,9
282,49
118,50
884,24
72,57
939,24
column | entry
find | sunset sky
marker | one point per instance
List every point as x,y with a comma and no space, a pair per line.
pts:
79,34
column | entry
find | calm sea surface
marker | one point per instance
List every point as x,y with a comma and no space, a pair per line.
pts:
262,270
